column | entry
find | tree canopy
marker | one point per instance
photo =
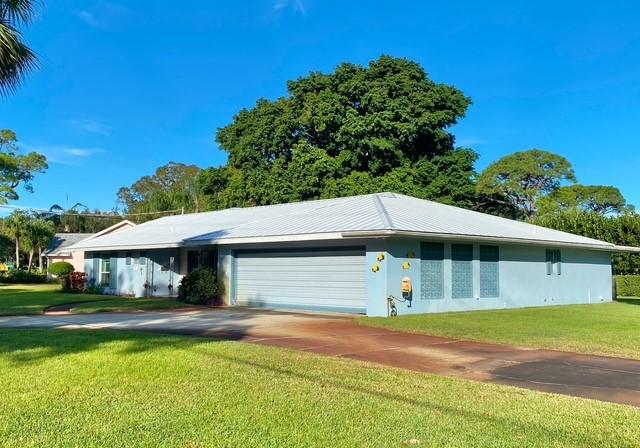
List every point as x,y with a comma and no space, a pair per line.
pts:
16,58
172,187
15,168
521,179
354,131
600,199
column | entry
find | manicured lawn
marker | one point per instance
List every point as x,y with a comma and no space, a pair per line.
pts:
125,304
81,388
35,299
606,329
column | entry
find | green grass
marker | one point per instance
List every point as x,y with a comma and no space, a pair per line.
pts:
82,388
35,299
121,304
605,329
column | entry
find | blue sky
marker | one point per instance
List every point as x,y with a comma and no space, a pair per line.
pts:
126,86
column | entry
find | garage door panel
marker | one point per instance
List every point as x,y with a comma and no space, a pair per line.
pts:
321,279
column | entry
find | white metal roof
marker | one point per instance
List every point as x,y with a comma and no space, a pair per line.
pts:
374,215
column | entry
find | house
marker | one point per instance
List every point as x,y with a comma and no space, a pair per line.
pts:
349,254
59,249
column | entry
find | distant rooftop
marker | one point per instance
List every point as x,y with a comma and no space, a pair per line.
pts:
62,241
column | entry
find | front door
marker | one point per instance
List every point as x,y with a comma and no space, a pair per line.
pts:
163,276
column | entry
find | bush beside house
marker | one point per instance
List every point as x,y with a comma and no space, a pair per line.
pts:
628,285
61,270
199,287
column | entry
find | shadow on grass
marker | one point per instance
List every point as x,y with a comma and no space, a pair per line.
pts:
629,300
32,346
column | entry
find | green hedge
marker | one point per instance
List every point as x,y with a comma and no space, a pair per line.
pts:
19,276
628,285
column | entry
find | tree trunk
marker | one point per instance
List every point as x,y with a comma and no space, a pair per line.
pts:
40,265
30,260
17,253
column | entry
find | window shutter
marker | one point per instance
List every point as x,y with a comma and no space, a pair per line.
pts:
549,262
113,278
95,275
558,263
489,271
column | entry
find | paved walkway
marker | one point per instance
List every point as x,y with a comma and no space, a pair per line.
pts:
596,377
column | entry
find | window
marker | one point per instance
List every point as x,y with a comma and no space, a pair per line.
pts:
192,260
461,271
127,256
553,262
105,270
143,258
489,271
432,270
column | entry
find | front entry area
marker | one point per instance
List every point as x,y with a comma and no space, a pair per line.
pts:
311,279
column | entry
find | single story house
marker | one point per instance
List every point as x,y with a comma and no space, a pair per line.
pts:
350,254
59,249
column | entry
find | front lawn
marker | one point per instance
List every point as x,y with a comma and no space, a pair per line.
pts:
123,304
35,299
605,329
83,388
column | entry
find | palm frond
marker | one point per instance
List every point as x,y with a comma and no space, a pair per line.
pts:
18,11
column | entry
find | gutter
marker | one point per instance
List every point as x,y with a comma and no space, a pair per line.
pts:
607,247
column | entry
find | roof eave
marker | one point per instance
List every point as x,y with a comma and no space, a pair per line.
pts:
482,238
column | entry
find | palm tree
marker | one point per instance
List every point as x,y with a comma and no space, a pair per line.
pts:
16,225
16,58
38,233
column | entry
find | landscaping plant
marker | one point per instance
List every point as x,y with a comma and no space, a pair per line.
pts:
199,287
62,270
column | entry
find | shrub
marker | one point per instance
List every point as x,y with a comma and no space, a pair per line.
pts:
62,269
628,285
78,282
20,276
199,287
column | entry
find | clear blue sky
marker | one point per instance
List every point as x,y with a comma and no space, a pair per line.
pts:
126,86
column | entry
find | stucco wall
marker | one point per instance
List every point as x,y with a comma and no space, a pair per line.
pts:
523,280
131,277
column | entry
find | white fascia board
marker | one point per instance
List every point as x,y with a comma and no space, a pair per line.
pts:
265,239
479,238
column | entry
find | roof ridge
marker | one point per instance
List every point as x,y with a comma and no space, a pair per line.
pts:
382,212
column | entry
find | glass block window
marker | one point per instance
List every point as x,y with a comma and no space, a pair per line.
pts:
461,271
431,270
489,271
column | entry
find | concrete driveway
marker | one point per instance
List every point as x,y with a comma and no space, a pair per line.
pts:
596,377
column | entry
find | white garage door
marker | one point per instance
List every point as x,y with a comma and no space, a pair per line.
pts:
331,280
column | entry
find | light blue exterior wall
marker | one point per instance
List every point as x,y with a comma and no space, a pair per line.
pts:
129,279
523,281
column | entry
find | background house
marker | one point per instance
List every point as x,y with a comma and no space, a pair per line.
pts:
350,254
60,247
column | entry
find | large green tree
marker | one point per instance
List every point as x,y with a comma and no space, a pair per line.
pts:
16,58
600,199
354,131
521,179
173,186
15,168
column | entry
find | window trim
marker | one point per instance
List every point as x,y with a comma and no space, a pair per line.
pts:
105,260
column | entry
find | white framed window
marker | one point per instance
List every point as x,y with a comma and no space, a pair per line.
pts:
554,259
105,270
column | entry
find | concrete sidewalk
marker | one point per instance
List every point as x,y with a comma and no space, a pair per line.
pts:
596,377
